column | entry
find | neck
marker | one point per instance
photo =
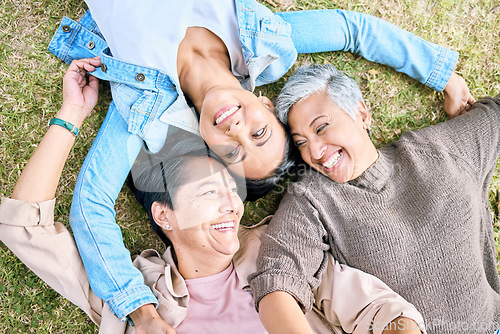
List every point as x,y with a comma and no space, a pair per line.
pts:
202,64
370,157
201,265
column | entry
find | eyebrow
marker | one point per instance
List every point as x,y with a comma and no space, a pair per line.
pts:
225,181
310,124
208,183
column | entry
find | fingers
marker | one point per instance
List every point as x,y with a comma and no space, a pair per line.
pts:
467,103
93,83
470,101
79,70
82,66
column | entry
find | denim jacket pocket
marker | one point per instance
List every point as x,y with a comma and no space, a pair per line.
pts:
275,26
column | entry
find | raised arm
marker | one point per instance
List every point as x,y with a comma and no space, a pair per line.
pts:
40,177
381,42
38,182
27,224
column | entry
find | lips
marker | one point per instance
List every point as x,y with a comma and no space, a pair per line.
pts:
333,160
224,114
224,227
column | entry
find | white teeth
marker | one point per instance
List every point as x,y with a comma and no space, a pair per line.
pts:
333,160
223,225
225,114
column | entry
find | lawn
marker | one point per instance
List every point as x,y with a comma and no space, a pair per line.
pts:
31,93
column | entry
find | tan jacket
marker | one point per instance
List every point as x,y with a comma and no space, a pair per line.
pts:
361,301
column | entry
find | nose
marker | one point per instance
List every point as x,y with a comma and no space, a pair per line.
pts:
228,204
317,149
235,127
238,132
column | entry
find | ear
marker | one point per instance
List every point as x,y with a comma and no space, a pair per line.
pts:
365,114
265,101
162,215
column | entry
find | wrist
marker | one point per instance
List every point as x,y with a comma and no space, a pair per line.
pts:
66,125
450,85
72,114
143,314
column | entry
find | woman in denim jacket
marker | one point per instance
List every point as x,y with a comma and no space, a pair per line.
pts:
147,100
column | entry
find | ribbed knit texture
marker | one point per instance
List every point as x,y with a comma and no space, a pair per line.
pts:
418,219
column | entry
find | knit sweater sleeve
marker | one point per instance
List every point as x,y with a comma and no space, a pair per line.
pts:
292,257
473,138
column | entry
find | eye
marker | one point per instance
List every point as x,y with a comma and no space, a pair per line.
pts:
232,154
209,193
321,127
300,143
260,133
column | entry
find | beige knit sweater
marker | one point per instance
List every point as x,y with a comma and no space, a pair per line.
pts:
418,219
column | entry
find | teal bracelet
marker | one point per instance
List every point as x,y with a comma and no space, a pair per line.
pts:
67,125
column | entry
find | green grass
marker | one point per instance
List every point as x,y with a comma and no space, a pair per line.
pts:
30,94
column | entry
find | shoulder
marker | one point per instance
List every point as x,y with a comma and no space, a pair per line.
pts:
307,183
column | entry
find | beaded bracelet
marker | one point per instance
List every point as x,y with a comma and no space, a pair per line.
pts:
67,125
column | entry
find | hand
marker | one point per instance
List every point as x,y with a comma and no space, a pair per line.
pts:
457,98
79,97
147,321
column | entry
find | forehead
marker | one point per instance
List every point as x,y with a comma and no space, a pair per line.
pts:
304,111
203,170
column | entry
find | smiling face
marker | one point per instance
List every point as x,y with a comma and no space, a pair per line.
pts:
329,140
243,131
206,212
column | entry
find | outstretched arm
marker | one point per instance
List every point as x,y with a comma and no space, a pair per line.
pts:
382,42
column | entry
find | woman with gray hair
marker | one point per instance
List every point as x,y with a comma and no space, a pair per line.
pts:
413,213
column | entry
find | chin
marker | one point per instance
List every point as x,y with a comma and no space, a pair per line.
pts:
337,180
230,249
342,178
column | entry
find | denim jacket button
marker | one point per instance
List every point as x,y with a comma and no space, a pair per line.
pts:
66,28
104,68
140,77
90,45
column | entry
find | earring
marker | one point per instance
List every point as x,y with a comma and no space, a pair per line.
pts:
167,227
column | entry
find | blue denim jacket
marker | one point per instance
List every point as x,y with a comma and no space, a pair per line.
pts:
146,102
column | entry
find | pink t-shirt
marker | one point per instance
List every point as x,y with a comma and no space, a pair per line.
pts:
218,304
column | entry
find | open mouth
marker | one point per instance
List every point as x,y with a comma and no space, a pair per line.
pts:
333,161
224,114
224,227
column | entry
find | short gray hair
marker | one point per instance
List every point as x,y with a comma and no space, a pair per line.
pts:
342,90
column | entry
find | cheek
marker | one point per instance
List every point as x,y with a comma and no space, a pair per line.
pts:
240,206
214,137
306,155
